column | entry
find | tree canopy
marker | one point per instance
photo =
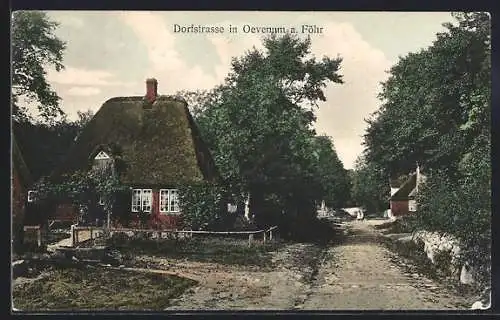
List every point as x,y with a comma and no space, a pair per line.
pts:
430,96
258,125
34,48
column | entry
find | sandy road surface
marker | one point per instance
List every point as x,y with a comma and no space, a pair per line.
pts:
359,273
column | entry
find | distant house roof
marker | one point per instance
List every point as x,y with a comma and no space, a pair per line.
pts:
19,165
158,143
407,190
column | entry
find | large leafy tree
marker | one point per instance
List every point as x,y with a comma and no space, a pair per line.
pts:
258,124
370,189
34,48
428,96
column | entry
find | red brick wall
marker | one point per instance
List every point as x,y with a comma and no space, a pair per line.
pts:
399,208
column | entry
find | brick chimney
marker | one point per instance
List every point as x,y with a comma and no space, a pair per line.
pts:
151,89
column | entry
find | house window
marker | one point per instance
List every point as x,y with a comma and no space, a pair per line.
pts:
31,196
141,200
169,201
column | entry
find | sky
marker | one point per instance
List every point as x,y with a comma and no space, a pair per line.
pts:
111,53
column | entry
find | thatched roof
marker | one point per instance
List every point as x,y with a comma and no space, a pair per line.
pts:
406,190
19,165
157,144
394,183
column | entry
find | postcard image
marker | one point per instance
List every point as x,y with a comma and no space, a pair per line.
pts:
250,160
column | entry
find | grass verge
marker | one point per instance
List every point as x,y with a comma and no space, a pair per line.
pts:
228,251
99,289
399,226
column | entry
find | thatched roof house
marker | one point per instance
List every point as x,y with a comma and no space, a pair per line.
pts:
402,200
153,144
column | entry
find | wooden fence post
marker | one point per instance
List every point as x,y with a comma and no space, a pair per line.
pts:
265,236
270,234
72,235
39,236
250,238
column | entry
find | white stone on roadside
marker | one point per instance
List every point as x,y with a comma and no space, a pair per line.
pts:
466,275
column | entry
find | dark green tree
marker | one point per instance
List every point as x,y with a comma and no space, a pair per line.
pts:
34,47
258,125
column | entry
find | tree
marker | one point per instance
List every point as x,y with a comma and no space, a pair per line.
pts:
333,178
258,125
34,47
84,118
428,96
369,188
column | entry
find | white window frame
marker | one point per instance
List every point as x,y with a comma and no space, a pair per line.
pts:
101,201
101,156
412,205
145,200
31,196
168,208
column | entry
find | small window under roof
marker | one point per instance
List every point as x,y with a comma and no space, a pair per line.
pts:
101,156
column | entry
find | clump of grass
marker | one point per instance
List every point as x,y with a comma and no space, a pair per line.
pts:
399,226
207,249
99,289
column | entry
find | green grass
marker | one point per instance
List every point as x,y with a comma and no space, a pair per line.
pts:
399,226
207,249
99,289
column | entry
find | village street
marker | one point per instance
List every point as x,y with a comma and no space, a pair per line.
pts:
357,274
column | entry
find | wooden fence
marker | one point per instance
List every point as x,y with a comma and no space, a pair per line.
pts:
83,234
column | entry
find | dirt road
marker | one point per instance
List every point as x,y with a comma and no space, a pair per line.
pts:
359,273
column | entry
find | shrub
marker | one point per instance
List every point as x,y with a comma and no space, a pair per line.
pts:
204,206
460,207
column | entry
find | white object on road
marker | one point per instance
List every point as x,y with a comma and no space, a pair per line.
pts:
360,215
353,212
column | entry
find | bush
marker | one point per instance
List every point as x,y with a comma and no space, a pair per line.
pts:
460,207
204,207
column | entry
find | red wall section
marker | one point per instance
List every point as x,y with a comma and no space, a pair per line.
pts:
399,208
